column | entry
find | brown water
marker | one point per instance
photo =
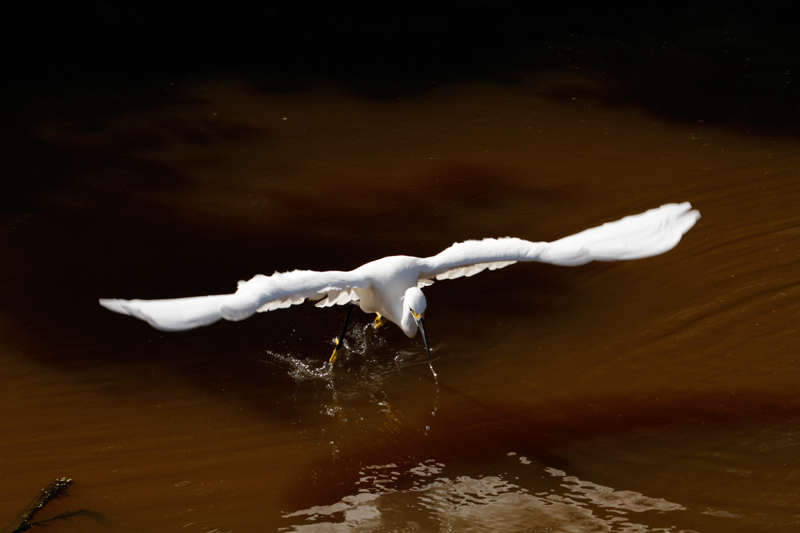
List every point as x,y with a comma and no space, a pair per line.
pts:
654,395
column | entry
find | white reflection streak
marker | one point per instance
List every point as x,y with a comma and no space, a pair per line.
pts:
607,497
489,503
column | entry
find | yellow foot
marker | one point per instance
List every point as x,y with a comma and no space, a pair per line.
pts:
379,321
335,353
392,420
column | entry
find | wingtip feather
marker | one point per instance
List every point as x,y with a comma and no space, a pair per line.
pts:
113,304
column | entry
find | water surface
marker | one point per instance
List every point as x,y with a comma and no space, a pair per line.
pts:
653,395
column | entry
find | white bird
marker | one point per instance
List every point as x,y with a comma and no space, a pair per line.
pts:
391,286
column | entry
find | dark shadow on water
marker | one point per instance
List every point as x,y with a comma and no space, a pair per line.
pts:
733,66
701,61
109,236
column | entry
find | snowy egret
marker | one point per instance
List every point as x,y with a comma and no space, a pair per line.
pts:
390,287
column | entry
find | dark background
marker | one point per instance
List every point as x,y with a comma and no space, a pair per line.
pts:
728,64
709,61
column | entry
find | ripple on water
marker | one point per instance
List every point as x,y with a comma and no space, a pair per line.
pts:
208,526
560,503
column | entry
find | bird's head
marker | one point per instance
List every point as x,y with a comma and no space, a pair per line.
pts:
415,301
416,304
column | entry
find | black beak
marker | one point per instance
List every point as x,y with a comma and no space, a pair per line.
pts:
421,324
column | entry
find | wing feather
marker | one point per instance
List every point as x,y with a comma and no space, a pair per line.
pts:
260,294
338,297
633,237
471,270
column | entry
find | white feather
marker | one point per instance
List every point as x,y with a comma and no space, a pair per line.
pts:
380,286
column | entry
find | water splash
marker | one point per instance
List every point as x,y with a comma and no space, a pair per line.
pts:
367,356
302,369
361,383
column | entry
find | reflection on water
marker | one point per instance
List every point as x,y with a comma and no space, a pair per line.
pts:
423,499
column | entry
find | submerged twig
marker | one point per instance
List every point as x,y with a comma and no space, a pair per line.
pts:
64,516
52,491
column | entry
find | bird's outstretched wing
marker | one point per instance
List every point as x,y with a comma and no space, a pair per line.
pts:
262,293
633,237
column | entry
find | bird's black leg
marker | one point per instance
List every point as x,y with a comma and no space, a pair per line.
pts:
340,340
421,324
